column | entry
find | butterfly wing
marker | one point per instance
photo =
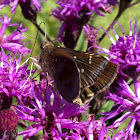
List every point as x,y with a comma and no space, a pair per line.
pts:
65,74
96,73
75,72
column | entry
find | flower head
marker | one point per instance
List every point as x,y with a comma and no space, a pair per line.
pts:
13,4
74,15
93,130
52,117
125,52
125,135
13,77
8,123
91,35
96,129
12,42
126,103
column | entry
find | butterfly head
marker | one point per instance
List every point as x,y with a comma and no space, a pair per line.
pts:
47,45
46,56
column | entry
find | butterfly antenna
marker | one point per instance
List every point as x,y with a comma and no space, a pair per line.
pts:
25,34
36,38
45,33
41,31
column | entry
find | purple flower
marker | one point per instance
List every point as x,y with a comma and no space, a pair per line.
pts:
125,135
126,103
96,129
93,130
91,35
13,77
13,4
72,9
113,2
8,123
12,42
4,136
50,116
126,52
74,14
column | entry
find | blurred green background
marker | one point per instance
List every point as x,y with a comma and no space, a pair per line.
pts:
52,29
52,25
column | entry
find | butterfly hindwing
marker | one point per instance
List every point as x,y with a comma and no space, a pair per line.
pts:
96,73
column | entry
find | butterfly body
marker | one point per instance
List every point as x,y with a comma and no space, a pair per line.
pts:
74,72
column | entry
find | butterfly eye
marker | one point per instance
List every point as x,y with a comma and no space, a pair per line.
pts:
44,44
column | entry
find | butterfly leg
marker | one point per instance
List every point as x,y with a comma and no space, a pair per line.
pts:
34,62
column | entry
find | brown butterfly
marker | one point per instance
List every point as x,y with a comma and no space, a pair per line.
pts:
74,72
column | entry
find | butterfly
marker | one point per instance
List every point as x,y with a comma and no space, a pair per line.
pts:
74,72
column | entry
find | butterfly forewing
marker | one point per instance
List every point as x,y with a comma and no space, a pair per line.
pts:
74,72
65,75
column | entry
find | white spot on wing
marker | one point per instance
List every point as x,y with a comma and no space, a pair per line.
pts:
82,70
90,57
